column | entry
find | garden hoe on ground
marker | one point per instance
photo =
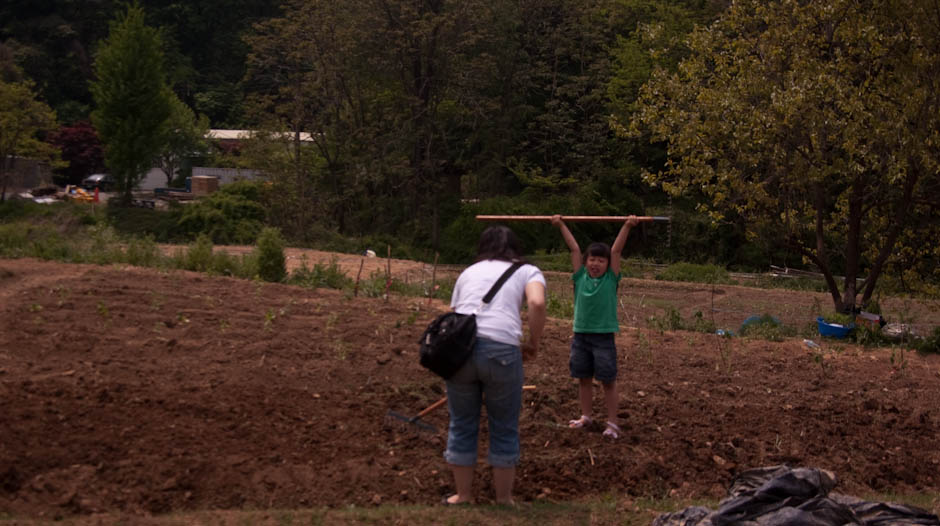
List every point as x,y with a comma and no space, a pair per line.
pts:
416,420
424,426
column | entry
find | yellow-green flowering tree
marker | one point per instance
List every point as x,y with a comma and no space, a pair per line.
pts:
818,122
22,119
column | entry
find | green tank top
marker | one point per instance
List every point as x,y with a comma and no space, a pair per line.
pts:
595,302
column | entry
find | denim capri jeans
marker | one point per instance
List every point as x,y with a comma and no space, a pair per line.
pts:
492,376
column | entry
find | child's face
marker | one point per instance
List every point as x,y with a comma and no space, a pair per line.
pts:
596,266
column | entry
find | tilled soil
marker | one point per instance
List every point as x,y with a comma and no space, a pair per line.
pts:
129,390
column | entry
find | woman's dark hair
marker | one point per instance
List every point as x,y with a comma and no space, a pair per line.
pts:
598,250
499,242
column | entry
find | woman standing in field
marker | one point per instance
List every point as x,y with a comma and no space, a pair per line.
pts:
493,374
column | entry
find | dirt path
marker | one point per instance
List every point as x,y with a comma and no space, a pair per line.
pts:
139,391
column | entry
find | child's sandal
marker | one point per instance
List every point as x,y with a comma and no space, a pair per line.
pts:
584,421
612,431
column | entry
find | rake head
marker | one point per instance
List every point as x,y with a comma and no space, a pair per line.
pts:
409,422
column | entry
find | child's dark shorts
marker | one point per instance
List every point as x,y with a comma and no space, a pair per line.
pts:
594,355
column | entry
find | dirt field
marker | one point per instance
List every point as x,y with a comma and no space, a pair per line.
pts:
127,390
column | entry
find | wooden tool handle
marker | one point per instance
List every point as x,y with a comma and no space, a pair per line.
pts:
431,407
579,219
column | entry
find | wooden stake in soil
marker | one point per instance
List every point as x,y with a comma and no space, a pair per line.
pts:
362,262
433,279
575,219
388,272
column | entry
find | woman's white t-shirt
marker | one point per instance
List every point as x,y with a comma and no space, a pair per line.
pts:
499,320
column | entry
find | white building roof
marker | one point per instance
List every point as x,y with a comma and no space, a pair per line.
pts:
234,135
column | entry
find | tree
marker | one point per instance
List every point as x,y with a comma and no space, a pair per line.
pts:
81,148
133,101
52,42
185,137
22,120
378,85
818,122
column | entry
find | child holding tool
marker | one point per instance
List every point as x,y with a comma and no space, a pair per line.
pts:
593,349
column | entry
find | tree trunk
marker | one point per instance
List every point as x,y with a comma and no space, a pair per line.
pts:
852,245
893,233
820,256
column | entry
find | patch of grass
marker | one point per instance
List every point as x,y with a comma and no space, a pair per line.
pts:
559,306
555,262
801,283
766,327
695,273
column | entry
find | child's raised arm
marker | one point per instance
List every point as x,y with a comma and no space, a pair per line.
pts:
621,240
576,262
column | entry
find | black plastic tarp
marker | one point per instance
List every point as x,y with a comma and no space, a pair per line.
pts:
784,496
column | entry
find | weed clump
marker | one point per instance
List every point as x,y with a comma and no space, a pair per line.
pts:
765,327
930,344
320,276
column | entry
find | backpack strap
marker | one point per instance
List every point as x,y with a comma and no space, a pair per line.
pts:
502,279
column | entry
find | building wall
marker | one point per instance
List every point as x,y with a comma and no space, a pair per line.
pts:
28,174
156,178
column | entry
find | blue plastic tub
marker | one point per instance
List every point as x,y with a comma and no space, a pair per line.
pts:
833,330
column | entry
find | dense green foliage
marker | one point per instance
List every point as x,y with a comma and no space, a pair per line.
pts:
133,101
815,122
22,119
783,133
185,138
270,255
55,44
233,215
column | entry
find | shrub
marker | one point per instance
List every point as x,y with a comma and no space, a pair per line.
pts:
930,344
198,256
320,275
14,240
143,252
234,214
765,327
225,264
700,324
269,252
374,285
104,246
670,321
162,225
